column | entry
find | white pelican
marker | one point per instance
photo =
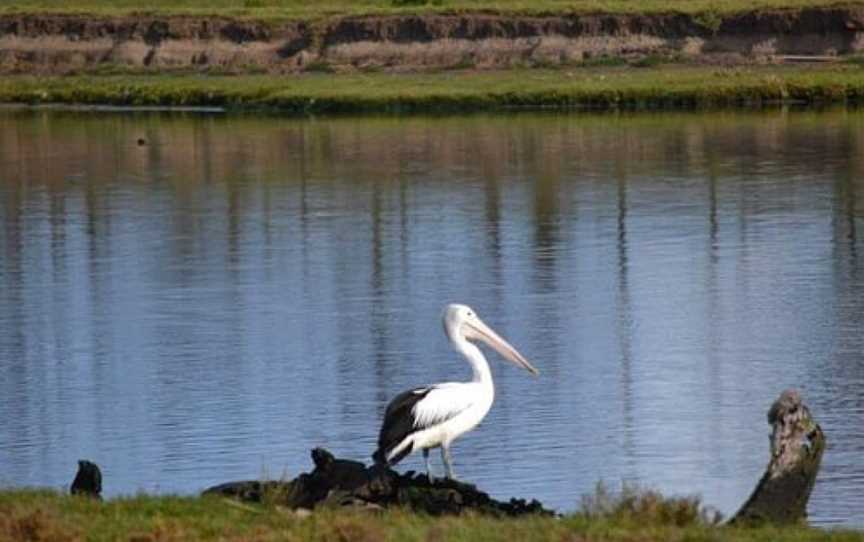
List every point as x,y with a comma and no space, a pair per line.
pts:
433,416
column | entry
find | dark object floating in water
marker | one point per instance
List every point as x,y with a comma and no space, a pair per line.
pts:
341,482
88,480
797,443
142,141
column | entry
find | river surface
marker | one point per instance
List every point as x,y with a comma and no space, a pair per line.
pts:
211,302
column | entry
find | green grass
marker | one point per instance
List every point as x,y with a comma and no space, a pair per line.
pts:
672,86
303,9
43,515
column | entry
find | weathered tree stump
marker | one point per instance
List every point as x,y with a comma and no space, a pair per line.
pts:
88,480
797,443
340,482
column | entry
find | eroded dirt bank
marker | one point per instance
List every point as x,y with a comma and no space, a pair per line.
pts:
73,43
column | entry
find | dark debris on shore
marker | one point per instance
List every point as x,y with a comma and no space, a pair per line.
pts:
340,482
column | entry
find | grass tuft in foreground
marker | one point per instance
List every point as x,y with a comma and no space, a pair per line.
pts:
631,515
635,504
672,86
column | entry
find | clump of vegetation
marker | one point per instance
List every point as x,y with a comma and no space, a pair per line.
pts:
635,504
34,524
602,61
466,63
649,61
404,3
319,66
710,19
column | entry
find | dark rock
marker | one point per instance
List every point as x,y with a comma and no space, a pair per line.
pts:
88,480
341,482
797,443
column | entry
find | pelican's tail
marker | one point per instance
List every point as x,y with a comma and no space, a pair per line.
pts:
390,456
396,439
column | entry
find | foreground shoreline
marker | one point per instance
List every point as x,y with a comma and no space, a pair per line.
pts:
28,514
662,87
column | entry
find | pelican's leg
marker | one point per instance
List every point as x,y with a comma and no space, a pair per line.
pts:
448,461
428,464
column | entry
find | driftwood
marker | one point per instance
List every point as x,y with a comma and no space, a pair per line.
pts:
797,443
88,480
340,482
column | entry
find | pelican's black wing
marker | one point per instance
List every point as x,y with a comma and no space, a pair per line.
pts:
399,422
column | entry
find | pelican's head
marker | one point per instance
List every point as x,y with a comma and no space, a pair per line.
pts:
461,323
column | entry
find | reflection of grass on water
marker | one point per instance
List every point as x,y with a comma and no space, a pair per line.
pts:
42,515
673,86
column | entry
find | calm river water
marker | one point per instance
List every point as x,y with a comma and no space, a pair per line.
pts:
212,304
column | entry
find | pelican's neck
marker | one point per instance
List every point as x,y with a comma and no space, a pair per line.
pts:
475,358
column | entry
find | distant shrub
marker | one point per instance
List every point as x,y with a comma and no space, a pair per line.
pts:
465,63
710,20
405,3
649,61
602,61
320,66
547,64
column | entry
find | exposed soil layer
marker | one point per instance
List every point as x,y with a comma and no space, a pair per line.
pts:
59,44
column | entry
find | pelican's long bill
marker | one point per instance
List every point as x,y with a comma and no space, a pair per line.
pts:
476,329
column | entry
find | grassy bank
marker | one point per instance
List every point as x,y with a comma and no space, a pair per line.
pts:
41,515
669,87
301,9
